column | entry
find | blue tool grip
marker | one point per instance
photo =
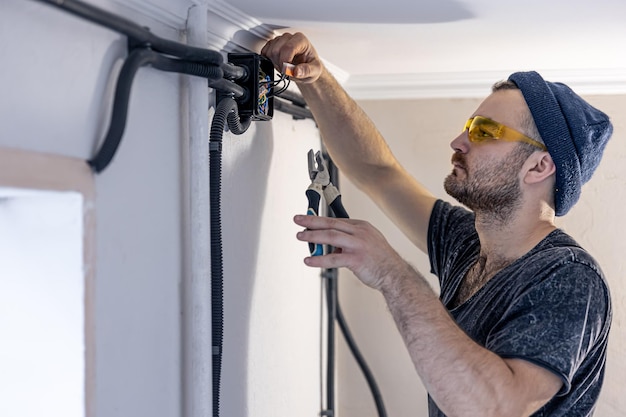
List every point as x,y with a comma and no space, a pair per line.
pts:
314,202
338,209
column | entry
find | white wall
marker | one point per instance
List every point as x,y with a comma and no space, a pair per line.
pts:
272,301
419,133
57,80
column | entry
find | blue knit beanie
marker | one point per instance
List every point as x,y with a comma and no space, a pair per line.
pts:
574,132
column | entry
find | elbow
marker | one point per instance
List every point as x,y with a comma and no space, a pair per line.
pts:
487,404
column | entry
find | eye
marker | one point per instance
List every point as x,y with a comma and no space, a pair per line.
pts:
484,132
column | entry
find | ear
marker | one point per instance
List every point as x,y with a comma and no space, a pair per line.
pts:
538,167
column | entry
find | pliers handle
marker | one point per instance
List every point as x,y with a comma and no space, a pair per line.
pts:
319,179
333,198
314,195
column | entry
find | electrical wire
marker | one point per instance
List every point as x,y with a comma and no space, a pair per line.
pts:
331,305
147,49
296,111
225,112
283,79
137,59
137,35
332,296
367,373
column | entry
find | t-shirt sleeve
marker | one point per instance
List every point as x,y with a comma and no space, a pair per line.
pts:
556,323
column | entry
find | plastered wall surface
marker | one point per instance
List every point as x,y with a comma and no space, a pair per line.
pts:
57,77
419,133
56,99
272,300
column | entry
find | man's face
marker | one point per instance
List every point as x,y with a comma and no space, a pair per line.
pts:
486,176
490,185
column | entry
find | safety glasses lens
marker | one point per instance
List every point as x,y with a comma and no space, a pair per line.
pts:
481,129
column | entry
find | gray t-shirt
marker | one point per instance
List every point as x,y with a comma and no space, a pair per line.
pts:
550,307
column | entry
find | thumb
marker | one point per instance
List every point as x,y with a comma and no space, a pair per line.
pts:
307,72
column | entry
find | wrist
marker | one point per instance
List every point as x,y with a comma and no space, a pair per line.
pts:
403,280
392,280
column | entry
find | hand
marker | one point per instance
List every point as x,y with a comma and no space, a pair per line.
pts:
362,248
294,49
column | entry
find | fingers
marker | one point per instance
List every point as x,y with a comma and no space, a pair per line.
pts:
326,237
294,49
328,261
322,222
346,234
363,249
283,49
324,230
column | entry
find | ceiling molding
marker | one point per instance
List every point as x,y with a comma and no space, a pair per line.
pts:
171,16
475,84
231,30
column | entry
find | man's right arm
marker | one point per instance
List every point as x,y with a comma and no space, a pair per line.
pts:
354,143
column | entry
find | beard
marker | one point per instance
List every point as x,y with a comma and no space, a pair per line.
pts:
489,189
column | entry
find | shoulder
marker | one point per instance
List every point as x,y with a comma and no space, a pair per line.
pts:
560,272
560,252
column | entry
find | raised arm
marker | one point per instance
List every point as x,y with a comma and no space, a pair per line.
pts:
353,141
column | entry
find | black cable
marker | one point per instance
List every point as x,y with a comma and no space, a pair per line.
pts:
230,87
296,111
367,373
137,34
233,72
144,46
295,98
208,64
333,299
225,111
137,59
331,304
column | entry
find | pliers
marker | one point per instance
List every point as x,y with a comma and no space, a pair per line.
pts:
322,186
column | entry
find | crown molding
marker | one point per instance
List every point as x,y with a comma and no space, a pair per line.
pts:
231,30
475,84
174,15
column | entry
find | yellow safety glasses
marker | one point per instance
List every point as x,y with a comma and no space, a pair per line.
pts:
480,129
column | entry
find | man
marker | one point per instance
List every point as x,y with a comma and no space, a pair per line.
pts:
521,324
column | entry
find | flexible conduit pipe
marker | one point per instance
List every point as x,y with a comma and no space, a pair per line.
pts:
138,34
226,111
137,59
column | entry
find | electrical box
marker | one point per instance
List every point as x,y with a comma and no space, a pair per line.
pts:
258,102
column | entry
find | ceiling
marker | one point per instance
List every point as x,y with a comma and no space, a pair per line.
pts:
429,47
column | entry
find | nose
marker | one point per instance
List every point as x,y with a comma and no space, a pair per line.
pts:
460,143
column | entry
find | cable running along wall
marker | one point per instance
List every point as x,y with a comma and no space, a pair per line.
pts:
147,49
